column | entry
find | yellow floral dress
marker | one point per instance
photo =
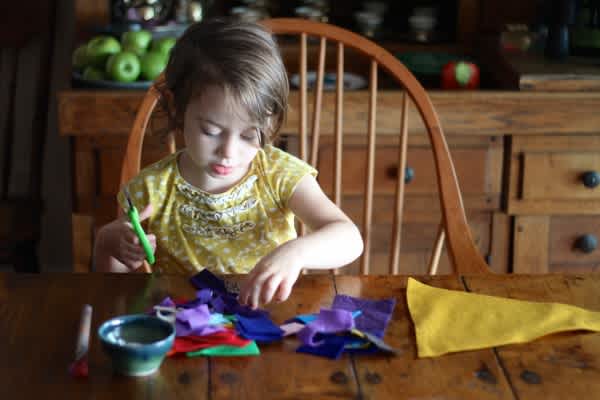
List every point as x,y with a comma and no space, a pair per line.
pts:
226,232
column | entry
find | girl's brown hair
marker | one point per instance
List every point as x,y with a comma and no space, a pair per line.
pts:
242,58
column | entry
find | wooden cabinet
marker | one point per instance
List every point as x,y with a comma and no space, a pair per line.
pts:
478,164
519,159
555,197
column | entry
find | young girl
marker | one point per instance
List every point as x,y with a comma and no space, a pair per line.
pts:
227,201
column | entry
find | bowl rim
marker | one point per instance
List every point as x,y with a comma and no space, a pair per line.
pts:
120,319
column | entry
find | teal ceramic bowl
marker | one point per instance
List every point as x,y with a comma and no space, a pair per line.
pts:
136,344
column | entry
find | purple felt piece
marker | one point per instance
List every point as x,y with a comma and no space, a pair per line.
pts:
195,317
204,295
375,313
195,321
227,304
328,321
167,302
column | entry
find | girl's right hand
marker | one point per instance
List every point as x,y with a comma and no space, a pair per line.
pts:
126,246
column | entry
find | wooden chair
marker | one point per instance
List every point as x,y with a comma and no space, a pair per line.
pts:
453,227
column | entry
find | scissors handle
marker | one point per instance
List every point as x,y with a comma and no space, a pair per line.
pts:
134,217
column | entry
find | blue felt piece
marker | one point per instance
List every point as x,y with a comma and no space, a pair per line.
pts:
332,347
259,328
304,318
207,280
307,318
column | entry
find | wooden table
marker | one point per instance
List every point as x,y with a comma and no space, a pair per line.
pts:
39,317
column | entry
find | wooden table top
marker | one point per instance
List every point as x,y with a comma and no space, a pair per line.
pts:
39,316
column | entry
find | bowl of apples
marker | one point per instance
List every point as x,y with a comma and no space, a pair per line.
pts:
132,61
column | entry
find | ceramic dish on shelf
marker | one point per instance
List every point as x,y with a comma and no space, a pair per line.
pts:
351,81
80,82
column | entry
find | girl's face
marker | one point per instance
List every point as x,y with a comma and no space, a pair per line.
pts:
221,140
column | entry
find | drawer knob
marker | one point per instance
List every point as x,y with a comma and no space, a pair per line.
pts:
586,243
409,173
590,179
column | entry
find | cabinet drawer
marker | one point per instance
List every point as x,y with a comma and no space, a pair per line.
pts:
573,242
554,175
561,175
545,244
477,167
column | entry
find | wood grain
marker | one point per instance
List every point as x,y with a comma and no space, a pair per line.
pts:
559,366
86,112
42,356
35,359
531,235
545,175
558,175
406,376
279,371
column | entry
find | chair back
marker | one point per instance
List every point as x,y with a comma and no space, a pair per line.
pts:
453,227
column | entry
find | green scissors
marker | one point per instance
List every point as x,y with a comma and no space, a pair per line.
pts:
134,217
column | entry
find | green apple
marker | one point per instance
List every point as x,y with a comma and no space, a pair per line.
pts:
164,45
153,63
136,41
137,50
92,73
80,58
123,66
99,48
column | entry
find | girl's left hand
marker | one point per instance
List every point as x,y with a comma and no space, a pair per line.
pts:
273,277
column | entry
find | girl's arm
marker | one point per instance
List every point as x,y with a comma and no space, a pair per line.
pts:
334,241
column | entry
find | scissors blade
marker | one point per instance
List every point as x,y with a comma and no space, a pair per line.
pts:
128,198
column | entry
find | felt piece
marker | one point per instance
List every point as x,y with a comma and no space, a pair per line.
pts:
306,318
291,328
223,300
375,341
194,343
218,319
207,280
448,320
167,302
195,321
227,304
375,314
259,328
332,346
328,321
204,295
227,351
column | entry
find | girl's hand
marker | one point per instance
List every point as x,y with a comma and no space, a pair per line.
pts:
125,244
273,277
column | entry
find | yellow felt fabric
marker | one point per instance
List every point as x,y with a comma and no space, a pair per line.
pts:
449,321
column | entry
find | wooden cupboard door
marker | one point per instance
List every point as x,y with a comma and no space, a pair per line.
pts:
573,243
477,161
561,176
552,175
544,244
